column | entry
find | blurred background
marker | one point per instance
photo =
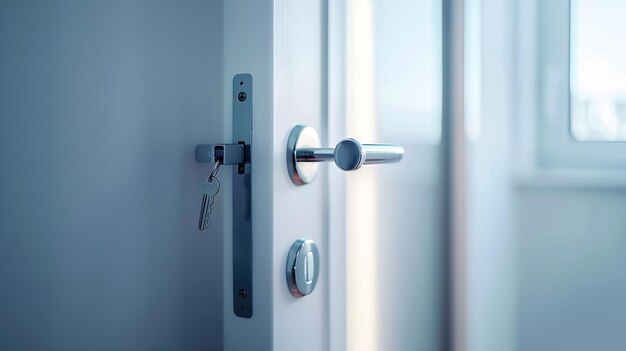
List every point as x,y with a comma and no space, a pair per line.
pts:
510,232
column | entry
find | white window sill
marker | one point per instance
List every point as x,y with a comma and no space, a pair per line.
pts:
573,178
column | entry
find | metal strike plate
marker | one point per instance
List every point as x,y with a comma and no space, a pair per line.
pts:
243,292
238,154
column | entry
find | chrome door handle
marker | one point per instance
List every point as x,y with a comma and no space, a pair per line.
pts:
350,154
304,152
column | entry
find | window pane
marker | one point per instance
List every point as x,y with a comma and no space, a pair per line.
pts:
598,70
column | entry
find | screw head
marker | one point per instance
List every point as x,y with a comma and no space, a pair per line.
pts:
242,96
243,293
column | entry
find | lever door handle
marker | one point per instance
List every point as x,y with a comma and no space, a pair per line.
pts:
304,152
350,154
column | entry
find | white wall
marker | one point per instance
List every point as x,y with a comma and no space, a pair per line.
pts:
101,106
571,245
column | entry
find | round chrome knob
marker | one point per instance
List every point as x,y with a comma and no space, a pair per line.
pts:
349,154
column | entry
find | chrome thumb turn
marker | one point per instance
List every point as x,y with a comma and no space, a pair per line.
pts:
304,152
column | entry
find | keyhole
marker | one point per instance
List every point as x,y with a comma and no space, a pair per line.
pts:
309,268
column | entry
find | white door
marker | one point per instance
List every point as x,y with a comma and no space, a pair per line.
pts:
370,70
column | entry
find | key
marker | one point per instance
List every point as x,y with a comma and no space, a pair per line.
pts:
203,212
210,187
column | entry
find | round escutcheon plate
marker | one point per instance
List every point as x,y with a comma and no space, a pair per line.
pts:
301,137
303,267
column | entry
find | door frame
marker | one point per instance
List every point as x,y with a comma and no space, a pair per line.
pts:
455,143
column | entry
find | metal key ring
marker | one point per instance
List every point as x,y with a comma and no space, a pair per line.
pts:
219,185
216,169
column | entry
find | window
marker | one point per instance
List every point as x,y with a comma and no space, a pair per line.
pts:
598,70
571,87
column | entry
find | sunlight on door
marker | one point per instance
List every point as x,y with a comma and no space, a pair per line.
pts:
361,210
394,240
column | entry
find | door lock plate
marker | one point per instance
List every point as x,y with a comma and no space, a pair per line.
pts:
238,153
